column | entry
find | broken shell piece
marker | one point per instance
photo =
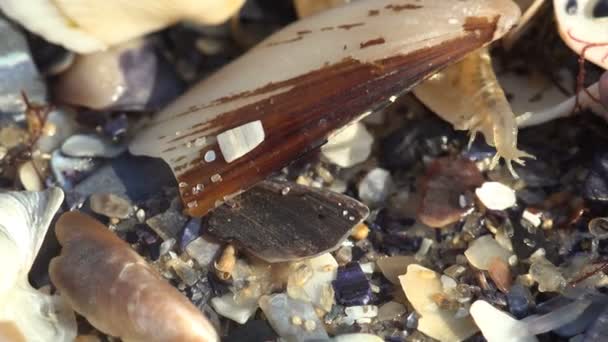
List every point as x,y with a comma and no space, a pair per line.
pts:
496,196
317,287
88,26
498,326
301,102
350,146
265,220
582,25
566,108
116,290
420,285
26,312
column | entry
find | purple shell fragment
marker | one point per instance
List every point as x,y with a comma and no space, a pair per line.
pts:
351,286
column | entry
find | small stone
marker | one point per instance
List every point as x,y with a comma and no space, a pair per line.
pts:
520,301
344,255
547,275
395,266
123,176
204,250
167,246
598,227
498,326
349,147
445,191
69,171
351,286
184,271
279,309
168,224
420,285
360,232
483,250
390,311
239,312
375,187
595,187
18,72
129,76
60,124
110,205
496,196
500,272
91,145
191,231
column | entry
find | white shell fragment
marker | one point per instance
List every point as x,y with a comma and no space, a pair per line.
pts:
498,326
419,285
350,146
24,220
235,143
496,196
583,26
91,145
228,307
87,26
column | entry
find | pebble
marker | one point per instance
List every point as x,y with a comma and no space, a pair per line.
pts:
349,147
375,187
91,145
500,273
68,171
184,271
239,312
169,224
420,285
394,266
520,301
547,275
496,196
204,250
351,286
483,250
130,76
595,187
445,191
60,124
18,72
110,205
498,326
390,311
123,176
279,309
191,231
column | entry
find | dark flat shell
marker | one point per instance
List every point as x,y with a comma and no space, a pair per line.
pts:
282,221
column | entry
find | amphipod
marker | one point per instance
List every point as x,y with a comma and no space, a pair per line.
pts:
289,93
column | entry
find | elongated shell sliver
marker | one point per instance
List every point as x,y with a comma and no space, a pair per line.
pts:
305,82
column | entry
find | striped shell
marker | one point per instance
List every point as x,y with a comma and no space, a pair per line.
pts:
307,81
